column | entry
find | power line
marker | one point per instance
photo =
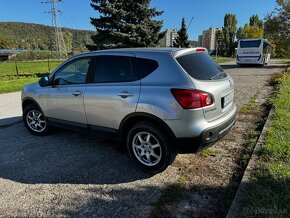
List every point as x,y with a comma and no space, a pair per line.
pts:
59,43
190,22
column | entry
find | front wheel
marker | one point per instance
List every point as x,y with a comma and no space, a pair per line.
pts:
149,147
34,120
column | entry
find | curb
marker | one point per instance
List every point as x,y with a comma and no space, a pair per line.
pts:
10,121
235,209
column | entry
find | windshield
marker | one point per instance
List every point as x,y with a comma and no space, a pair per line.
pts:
250,44
201,66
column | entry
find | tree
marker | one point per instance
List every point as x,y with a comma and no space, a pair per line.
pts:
229,32
253,30
181,40
5,43
255,21
68,40
125,23
241,33
277,28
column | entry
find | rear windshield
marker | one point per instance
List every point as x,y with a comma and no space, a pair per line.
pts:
250,44
201,66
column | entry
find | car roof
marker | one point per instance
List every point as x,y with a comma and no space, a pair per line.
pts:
173,51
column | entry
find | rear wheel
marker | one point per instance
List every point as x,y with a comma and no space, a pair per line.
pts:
149,147
34,120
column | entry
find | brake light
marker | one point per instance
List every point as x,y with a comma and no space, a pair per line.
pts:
200,50
191,99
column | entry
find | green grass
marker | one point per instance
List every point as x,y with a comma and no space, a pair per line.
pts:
32,70
252,100
15,84
278,135
268,193
285,61
207,152
220,60
246,108
31,67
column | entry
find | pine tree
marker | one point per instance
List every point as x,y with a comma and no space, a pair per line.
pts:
125,23
182,38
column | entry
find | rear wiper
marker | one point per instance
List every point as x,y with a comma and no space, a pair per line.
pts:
219,74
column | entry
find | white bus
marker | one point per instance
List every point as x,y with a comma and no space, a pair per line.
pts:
253,51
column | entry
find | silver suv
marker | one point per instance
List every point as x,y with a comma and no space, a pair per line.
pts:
159,101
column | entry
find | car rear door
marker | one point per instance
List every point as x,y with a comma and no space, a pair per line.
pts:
114,91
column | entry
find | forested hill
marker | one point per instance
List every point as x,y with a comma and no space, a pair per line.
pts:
18,35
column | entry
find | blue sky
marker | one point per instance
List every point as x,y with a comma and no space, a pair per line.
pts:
76,13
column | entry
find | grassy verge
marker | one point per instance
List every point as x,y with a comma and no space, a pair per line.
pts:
269,192
31,67
15,84
29,72
220,60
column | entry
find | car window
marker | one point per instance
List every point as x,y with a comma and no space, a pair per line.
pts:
201,66
114,69
74,72
250,44
145,66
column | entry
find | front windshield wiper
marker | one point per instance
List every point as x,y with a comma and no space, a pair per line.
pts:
219,74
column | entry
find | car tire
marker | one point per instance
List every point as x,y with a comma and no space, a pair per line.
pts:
149,147
35,121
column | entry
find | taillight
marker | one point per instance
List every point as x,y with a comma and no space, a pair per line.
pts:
191,99
200,50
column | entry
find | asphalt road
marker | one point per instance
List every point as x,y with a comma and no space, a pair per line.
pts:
70,174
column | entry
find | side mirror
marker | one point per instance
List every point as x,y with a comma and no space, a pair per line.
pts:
44,81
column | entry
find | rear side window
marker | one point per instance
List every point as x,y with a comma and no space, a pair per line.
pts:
145,66
114,69
201,66
250,44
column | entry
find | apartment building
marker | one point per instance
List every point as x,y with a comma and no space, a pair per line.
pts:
170,36
208,38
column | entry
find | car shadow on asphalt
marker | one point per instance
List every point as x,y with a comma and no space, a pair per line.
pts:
64,157
229,66
234,66
10,121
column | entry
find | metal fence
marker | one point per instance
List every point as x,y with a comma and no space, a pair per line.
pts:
29,63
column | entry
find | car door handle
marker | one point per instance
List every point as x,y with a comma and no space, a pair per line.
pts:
125,94
76,93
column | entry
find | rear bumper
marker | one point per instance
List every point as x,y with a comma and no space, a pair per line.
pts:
207,138
249,59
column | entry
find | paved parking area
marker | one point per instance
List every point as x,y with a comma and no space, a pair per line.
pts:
70,174
10,110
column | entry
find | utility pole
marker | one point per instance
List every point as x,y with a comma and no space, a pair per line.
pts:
59,43
190,22
189,25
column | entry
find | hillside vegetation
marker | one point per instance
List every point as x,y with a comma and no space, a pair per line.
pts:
18,35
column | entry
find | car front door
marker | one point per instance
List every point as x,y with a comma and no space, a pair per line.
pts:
63,101
113,93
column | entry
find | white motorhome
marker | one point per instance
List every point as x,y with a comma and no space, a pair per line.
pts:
253,51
